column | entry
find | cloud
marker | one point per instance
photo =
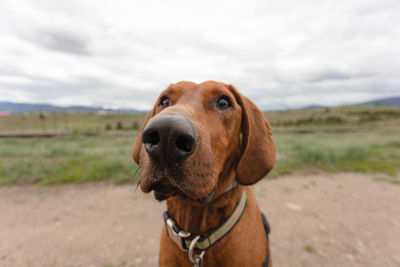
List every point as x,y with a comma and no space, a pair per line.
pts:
331,75
123,53
59,40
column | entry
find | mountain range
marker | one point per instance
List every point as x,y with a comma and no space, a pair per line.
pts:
17,108
391,101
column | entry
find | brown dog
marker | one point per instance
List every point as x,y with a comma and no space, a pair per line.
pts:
195,142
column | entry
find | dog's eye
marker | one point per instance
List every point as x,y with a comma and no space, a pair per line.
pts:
224,102
165,102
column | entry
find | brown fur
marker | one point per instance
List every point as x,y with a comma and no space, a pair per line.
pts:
220,157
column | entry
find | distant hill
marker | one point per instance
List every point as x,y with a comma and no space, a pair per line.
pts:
391,101
17,108
313,107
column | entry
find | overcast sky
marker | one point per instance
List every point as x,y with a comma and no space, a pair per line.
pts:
123,53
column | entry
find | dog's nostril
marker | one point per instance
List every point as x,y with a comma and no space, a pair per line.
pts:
185,143
169,138
152,138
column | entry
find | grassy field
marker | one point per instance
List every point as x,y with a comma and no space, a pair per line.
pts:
348,116
371,145
66,159
82,159
338,117
72,123
377,151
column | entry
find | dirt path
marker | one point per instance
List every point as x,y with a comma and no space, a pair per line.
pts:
319,220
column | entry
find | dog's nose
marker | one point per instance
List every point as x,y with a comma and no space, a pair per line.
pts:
169,138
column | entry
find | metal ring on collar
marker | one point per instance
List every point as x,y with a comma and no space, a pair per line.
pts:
192,245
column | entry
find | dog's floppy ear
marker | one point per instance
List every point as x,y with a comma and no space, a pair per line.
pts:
258,147
138,144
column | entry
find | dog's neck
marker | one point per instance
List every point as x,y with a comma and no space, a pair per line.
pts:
198,218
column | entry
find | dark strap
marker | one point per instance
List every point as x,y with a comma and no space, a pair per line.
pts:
267,229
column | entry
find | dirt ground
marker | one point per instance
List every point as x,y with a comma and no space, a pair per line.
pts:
317,220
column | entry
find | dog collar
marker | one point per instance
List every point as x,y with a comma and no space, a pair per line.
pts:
189,241
231,186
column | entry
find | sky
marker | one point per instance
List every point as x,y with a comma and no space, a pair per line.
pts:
122,54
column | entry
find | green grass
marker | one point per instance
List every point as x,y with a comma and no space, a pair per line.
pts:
309,248
348,116
358,152
81,159
66,159
343,117
73,123
76,158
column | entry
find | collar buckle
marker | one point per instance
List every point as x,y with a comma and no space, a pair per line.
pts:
177,235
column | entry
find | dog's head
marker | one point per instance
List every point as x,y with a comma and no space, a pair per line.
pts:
198,137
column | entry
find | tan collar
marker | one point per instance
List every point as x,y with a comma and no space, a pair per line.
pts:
186,240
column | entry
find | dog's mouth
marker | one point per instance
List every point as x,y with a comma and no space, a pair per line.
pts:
161,196
208,198
164,190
